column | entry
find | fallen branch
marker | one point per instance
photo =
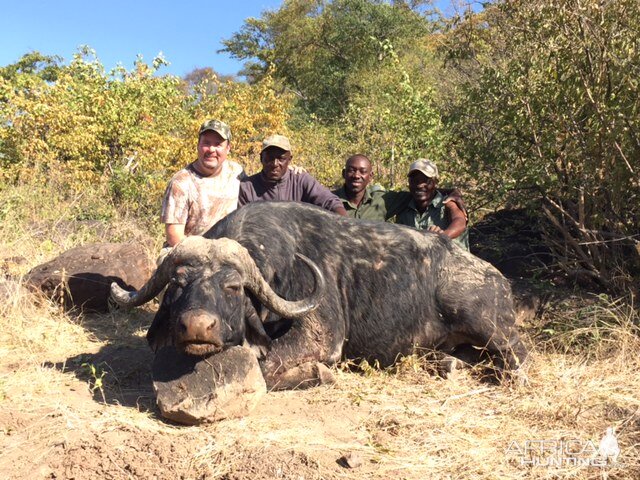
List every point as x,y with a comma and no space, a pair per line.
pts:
467,394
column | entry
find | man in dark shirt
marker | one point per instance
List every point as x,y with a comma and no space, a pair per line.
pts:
276,181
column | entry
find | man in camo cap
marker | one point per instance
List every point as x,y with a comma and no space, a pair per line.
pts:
427,209
367,202
204,191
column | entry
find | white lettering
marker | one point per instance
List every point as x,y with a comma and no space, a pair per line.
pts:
556,453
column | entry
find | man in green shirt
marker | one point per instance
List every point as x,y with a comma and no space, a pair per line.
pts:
428,209
362,201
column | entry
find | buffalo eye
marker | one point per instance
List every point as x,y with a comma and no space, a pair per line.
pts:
232,288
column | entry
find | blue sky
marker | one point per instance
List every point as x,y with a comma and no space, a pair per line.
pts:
188,33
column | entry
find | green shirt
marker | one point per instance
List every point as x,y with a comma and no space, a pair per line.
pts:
435,214
377,205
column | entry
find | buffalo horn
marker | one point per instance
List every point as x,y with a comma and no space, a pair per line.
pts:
160,278
255,282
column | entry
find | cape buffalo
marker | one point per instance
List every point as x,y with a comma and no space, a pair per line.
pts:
335,287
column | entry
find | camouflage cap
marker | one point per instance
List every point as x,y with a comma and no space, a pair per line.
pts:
279,141
216,126
425,166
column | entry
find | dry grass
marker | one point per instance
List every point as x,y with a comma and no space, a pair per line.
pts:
405,423
401,423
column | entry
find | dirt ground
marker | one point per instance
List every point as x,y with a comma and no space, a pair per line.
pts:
69,431
57,423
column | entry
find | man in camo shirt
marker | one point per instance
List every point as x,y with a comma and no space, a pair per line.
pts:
206,190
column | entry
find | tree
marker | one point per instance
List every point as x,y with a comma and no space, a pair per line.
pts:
394,118
126,130
205,78
34,63
319,48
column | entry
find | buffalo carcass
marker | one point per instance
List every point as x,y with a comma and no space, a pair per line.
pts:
343,288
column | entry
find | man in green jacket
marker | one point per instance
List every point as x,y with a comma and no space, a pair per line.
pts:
428,208
362,201
365,202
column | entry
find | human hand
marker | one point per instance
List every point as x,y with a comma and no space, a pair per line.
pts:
435,229
296,169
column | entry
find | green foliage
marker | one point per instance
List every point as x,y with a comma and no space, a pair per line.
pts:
394,120
321,149
73,130
356,69
553,112
45,67
594,326
96,382
127,130
524,100
318,48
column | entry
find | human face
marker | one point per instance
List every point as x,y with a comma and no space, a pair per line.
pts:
357,175
422,189
275,162
212,152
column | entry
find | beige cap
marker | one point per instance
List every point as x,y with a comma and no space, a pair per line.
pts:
279,141
425,166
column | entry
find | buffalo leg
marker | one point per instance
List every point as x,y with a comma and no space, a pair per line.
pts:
306,375
296,360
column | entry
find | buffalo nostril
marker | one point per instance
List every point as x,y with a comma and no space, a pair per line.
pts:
183,326
212,324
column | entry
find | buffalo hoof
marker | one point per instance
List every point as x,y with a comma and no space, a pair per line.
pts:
325,374
307,375
449,367
518,377
193,390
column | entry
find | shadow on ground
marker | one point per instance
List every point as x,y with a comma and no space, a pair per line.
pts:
511,240
120,372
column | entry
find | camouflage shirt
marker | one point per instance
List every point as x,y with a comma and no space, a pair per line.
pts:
198,202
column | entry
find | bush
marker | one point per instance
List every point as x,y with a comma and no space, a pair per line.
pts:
552,111
127,130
